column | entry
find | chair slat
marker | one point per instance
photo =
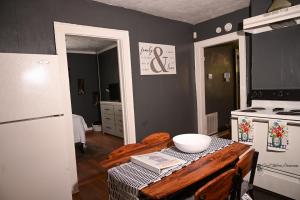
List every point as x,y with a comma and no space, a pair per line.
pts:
153,142
245,162
218,188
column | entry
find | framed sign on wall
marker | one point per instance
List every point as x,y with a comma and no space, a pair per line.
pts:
157,59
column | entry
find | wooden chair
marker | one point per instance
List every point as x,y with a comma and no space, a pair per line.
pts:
153,142
246,164
219,188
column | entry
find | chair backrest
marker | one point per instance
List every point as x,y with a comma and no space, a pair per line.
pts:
248,163
218,188
153,142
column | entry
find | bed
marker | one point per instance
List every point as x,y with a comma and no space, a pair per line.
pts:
79,129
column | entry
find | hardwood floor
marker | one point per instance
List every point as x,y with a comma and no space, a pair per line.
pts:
91,178
226,134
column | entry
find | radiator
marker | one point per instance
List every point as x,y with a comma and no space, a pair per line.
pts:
212,123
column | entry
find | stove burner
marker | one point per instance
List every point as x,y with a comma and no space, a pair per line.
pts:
295,110
277,109
248,110
288,113
258,108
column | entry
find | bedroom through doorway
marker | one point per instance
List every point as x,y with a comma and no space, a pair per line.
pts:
96,105
121,38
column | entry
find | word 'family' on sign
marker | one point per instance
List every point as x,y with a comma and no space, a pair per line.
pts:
157,59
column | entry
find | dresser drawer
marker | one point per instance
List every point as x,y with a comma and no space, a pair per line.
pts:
119,120
119,131
111,116
108,128
107,109
118,110
108,119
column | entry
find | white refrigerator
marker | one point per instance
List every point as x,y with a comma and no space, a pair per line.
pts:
33,155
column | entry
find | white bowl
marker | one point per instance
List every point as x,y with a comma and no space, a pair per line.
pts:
191,143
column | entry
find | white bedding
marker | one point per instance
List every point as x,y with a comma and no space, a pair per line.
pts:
79,128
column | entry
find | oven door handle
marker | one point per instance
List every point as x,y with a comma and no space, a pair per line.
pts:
266,121
260,120
254,120
293,124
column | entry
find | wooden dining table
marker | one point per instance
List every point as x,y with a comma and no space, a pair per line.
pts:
183,178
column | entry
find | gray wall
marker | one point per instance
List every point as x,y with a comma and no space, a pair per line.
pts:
84,66
162,103
275,54
207,29
109,70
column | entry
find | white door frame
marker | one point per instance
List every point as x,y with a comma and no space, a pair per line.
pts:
200,73
122,38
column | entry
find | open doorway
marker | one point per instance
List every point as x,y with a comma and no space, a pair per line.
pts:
95,100
208,121
96,105
95,84
121,38
221,86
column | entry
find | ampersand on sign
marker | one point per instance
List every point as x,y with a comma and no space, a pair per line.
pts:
157,51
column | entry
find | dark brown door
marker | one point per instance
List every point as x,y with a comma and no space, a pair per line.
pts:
220,82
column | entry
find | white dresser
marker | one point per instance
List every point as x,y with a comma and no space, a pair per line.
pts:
112,121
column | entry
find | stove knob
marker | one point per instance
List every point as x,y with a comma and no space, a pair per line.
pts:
280,93
254,94
287,93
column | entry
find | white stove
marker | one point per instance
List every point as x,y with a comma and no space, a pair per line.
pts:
278,172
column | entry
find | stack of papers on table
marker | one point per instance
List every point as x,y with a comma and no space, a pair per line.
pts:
157,162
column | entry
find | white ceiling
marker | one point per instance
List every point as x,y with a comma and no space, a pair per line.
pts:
88,44
190,11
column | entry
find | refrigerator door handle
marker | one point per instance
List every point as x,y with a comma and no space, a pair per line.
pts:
30,119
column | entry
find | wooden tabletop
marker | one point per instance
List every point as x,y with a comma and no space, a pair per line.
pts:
195,172
184,177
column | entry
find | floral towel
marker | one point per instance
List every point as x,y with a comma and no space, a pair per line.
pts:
245,128
277,135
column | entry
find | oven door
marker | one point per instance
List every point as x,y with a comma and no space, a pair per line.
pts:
278,172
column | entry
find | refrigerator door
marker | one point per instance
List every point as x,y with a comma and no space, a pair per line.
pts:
33,161
30,86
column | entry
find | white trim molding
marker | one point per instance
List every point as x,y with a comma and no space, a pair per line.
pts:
107,48
81,52
122,38
93,52
200,74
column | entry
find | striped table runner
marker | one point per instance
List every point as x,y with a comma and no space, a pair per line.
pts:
125,181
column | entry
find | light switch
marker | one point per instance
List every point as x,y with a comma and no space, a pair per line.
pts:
227,76
210,76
